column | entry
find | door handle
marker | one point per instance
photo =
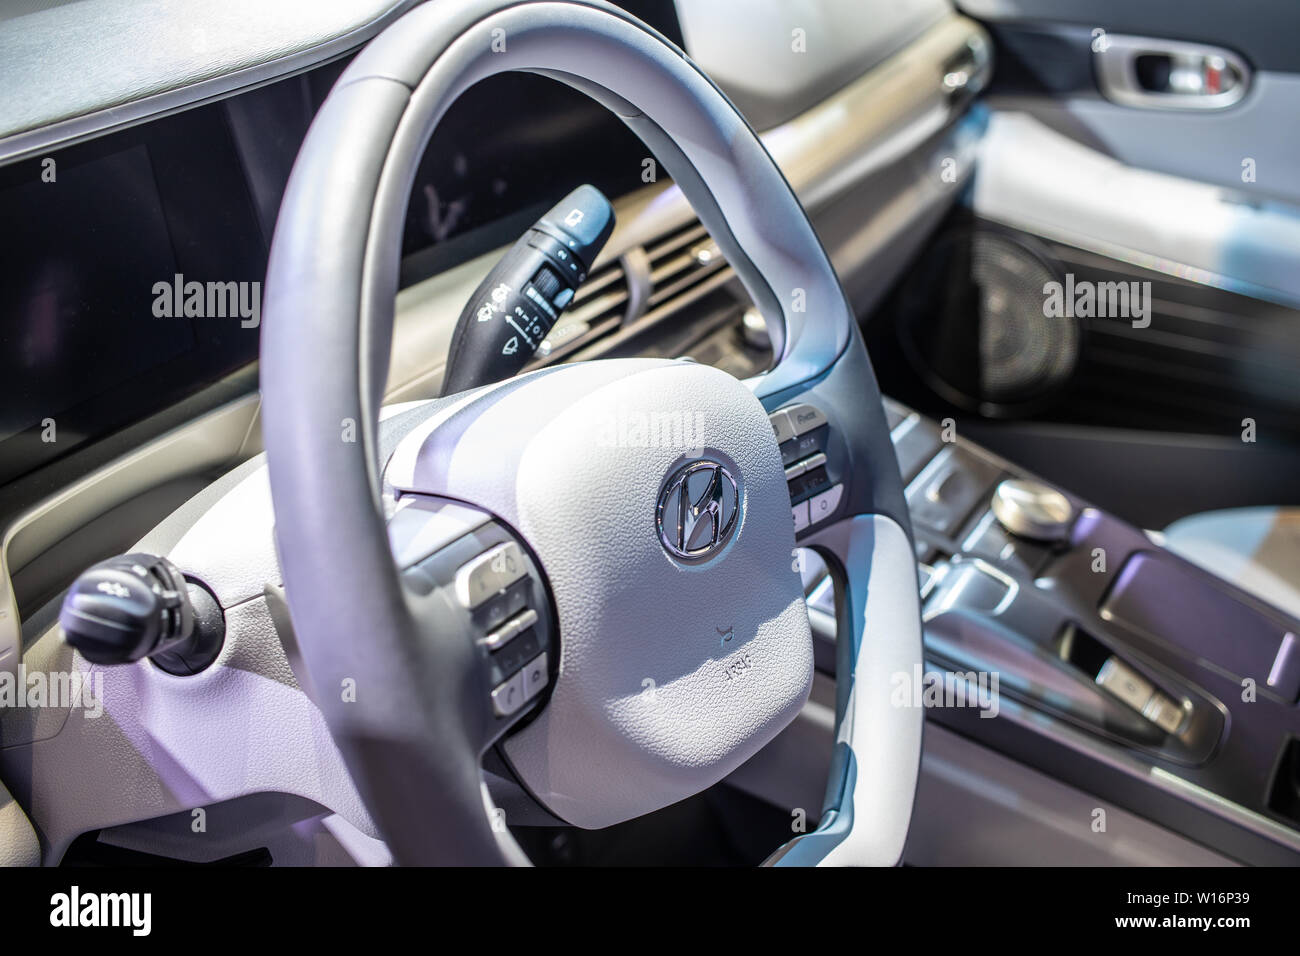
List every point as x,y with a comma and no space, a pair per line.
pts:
1168,74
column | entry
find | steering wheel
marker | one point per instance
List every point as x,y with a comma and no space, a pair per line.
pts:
668,622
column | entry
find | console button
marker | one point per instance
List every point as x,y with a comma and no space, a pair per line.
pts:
914,446
1164,713
806,418
975,586
989,539
781,426
535,676
508,696
801,518
1125,683
489,574
821,507
949,488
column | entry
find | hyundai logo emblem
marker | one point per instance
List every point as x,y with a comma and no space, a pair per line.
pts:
697,510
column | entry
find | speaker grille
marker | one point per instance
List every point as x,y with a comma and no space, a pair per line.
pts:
973,323
1023,353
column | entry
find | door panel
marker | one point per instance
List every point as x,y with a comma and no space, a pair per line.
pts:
1195,211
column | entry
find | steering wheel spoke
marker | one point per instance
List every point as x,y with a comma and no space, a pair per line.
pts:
480,605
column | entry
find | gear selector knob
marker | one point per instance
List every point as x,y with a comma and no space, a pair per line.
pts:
1031,509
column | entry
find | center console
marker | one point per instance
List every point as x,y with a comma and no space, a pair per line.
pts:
1114,664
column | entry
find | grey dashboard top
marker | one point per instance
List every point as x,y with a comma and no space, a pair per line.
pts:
776,58
100,63
73,68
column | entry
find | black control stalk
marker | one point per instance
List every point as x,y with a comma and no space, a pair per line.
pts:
138,605
521,299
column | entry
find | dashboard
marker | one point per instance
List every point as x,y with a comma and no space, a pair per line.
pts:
136,177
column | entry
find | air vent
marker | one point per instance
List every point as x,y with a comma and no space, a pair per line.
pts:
597,309
684,266
658,298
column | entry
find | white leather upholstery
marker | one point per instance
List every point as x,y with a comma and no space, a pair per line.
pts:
1257,549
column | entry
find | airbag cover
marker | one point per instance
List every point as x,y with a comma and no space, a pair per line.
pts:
671,673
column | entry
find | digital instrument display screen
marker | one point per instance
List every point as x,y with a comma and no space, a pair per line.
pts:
75,325
92,234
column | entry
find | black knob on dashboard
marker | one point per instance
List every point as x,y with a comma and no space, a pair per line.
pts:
140,605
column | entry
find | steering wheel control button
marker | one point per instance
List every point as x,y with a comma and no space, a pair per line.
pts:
822,506
478,585
511,657
496,611
500,636
801,516
809,482
508,697
535,677
489,574
781,426
806,418
697,510
811,465
800,447
1033,510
